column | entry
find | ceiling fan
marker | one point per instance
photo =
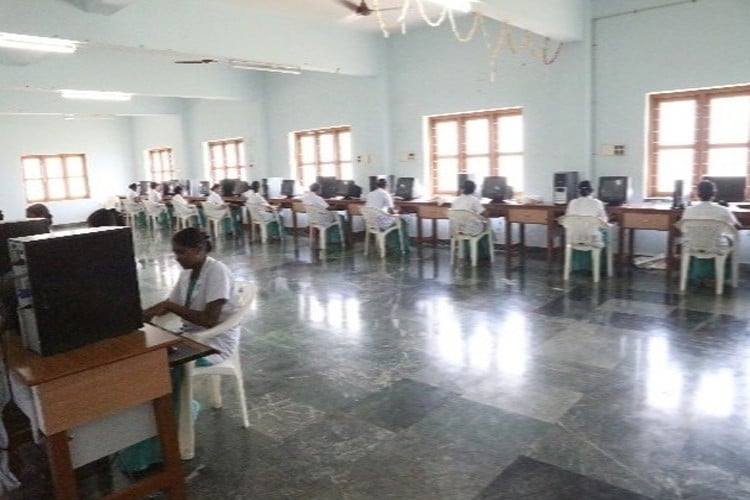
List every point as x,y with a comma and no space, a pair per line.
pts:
197,61
361,8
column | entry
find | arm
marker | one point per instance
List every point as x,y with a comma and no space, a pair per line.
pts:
209,317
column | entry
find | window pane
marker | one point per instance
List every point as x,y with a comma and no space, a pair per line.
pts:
74,166
32,168
231,155
345,146
727,161
56,189
729,120
35,190
217,156
478,136
347,171
307,147
53,167
326,148
676,123
77,187
328,169
447,175
510,134
308,174
446,136
674,164
512,168
479,166
233,173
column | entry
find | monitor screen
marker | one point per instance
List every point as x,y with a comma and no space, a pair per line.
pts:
728,188
205,188
227,186
405,188
240,187
613,190
287,187
342,187
143,187
328,186
494,188
167,187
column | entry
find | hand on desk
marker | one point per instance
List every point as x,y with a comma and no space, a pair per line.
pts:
158,309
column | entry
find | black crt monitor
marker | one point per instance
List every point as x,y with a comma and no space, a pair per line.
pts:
405,188
613,190
204,188
728,188
328,186
167,187
143,187
240,187
227,186
342,187
495,188
287,187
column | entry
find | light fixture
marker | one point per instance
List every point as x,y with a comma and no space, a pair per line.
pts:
37,43
270,67
95,95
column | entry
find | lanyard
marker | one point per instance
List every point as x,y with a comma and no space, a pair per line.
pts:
191,288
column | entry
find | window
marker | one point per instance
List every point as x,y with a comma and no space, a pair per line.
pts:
482,143
55,177
160,164
696,133
226,159
325,152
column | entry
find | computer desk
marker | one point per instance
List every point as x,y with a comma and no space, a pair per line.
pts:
90,402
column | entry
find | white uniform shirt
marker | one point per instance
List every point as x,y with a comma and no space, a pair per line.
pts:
215,282
712,211
586,205
215,198
468,202
316,200
255,198
132,196
379,198
154,196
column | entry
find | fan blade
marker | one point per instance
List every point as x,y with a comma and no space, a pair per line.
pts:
349,5
196,61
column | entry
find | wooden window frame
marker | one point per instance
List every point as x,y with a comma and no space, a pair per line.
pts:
155,159
494,155
218,171
701,144
63,157
317,133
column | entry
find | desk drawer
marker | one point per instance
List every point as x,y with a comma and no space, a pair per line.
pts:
432,212
646,221
527,215
85,396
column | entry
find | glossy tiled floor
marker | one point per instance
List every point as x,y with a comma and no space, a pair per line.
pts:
409,379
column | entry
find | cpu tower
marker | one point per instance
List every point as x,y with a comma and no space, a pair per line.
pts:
75,287
565,187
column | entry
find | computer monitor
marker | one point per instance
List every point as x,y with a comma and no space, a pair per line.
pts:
405,188
287,187
328,186
613,190
495,188
240,187
204,188
342,187
227,186
728,188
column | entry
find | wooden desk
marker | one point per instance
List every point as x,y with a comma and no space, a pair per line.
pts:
530,214
67,397
433,213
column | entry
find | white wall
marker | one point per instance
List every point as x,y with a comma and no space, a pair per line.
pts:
106,144
152,132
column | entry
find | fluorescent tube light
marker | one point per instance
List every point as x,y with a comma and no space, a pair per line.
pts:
273,68
95,95
37,43
459,5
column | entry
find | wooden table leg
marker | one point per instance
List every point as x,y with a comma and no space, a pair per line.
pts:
522,243
165,423
621,246
294,225
61,466
508,242
434,233
631,245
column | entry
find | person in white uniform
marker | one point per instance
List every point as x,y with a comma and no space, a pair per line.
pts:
381,199
586,204
706,209
468,201
132,194
154,193
204,295
254,198
313,198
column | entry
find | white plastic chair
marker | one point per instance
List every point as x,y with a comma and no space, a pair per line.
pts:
231,367
469,226
582,233
130,211
154,212
707,239
323,220
215,217
374,218
262,218
183,214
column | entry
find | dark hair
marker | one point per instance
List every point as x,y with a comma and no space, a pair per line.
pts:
177,190
706,190
133,186
214,186
584,188
38,211
255,186
382,183
153,185
469,187
314,187
105,217
192,237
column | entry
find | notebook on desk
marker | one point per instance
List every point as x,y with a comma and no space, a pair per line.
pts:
186,349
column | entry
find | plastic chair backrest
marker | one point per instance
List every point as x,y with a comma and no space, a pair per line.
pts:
255,209
319,216
245,294
704,236
464,222
582,231
372,218
182,208
152,208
